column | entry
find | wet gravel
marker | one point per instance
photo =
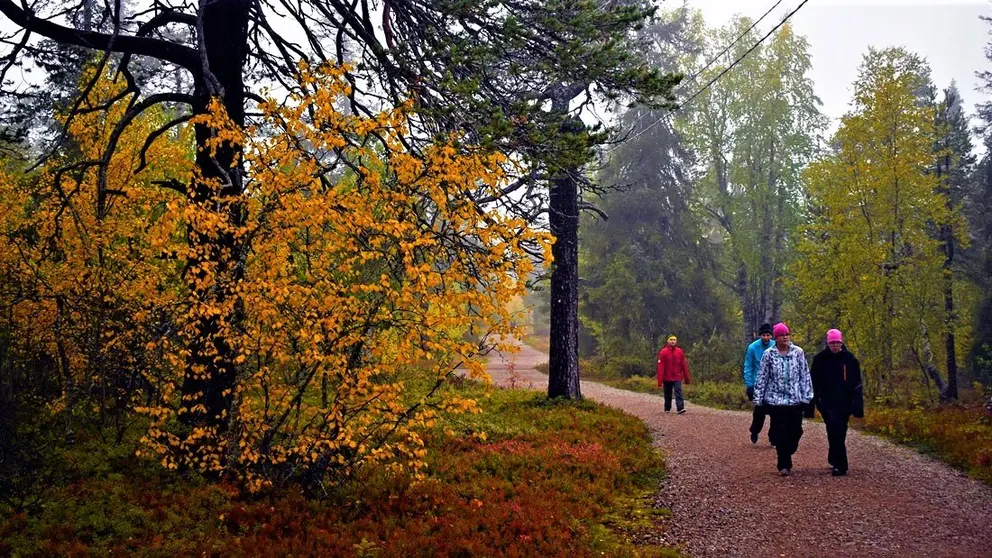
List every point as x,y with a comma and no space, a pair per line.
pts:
728,500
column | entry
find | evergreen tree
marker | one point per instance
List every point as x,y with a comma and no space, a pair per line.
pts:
955,167
646,270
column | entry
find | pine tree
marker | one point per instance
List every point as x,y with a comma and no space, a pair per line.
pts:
954,167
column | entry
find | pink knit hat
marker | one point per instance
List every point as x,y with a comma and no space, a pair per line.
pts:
780,329
834,336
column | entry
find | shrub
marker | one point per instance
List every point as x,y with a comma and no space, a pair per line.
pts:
295,329
628,367
716,359
546,478
961,435
720,395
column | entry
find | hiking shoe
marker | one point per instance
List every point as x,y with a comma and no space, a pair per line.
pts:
837,472
682,412
784,472
754,438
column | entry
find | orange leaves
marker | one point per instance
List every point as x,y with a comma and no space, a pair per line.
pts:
362,266
359,289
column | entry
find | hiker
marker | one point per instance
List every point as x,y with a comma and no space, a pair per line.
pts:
672,372
784,385
838,393
752,359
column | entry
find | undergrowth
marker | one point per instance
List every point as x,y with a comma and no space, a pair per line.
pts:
545,478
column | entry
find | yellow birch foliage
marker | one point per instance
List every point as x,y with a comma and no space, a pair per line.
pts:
78,287
871,264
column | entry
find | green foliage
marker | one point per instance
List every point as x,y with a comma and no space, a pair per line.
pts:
548,478
716,358
754,130
627,366
645,273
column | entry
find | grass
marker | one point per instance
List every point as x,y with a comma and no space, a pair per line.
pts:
719,395
550,478
539,342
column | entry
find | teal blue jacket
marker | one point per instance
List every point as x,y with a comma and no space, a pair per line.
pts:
752,359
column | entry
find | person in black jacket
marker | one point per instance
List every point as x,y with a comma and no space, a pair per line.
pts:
837,392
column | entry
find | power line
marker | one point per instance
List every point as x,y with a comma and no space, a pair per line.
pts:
731,45
726,49
718,76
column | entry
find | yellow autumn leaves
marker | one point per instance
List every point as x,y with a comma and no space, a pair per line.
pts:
365,268
871,262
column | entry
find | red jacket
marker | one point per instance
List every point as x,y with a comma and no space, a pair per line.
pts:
672,366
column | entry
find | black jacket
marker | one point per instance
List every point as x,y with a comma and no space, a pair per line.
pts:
837,382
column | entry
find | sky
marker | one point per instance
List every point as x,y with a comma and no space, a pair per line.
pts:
948,33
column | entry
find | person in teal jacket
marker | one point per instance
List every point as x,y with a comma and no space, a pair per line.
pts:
752,359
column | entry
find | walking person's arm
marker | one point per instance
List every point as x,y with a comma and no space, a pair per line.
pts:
661,370
750,369
685,370
816,377
805,385
858,397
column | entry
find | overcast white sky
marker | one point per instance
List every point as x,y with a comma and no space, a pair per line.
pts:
947,32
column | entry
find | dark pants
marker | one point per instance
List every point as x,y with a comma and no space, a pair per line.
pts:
836,423
677,388
787,423
758,418
758,422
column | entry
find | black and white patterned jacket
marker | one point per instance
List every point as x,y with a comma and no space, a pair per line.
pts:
783,379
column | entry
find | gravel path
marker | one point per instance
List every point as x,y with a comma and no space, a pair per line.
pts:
728,499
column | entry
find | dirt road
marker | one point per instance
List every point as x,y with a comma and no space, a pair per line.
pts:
728,499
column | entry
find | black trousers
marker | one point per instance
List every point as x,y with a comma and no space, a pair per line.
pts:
758,418
758,422
836,423
677,388
787,424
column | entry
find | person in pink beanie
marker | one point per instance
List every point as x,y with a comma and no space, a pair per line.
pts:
838,394
784,385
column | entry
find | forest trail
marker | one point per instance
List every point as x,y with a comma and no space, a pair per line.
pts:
728,500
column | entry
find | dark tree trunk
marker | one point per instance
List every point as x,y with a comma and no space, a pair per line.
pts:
563,358
747,305
950,392
888,362
930,372
216,266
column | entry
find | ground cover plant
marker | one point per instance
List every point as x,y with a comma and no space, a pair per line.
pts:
524,477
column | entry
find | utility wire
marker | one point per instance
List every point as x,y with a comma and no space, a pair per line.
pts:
716,78
731,45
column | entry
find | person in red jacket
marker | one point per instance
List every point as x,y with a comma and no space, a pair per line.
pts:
672,371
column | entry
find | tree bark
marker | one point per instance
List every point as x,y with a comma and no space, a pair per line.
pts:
216,266
563,358
926,363
950,392
747,304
